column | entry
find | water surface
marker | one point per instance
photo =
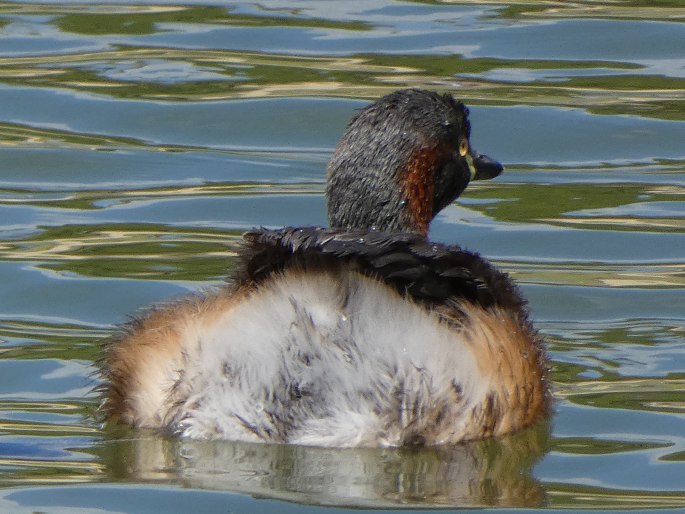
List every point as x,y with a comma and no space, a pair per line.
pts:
138,140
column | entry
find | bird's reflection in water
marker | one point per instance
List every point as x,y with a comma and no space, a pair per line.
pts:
487,473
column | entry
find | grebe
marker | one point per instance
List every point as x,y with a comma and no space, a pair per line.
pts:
364,334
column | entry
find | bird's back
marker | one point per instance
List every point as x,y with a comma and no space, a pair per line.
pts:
338,339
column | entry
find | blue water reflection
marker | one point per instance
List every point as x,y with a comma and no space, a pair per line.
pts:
138,141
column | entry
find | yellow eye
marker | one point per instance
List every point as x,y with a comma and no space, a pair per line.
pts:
463,147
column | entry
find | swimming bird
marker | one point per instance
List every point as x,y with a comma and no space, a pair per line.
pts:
363,334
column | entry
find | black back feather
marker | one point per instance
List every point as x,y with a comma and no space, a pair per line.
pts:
429,272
